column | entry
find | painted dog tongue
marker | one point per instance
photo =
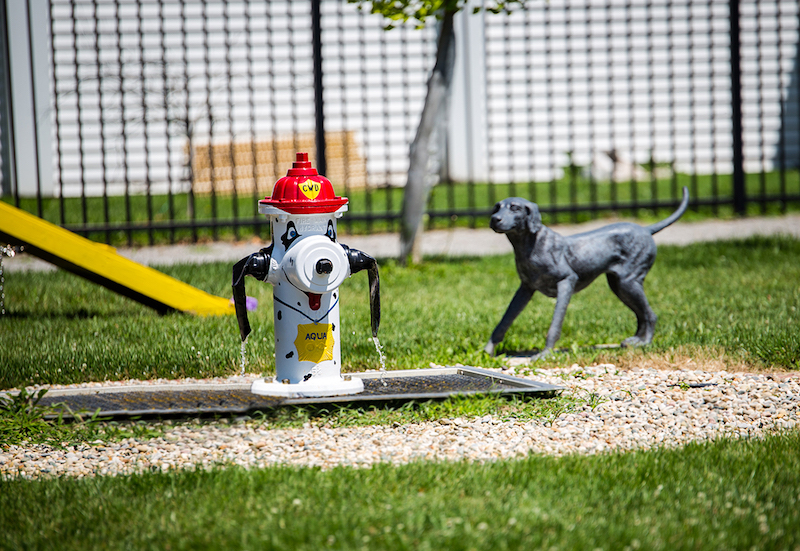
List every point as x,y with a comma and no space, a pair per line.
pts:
314,300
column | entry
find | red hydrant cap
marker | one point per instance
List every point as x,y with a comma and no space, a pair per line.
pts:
303,191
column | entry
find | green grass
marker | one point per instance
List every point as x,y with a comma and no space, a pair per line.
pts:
516,407
444,197
581,192
734,301
727,494
23,421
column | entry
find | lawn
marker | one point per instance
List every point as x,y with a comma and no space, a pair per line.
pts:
727,494
727,304
734,303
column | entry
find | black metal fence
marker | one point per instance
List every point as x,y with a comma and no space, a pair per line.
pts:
168,120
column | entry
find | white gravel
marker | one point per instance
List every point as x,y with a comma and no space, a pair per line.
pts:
638,409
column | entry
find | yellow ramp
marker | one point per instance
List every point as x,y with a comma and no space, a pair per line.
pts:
101,264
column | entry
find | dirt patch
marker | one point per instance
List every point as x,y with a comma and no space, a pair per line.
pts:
679,359
684,359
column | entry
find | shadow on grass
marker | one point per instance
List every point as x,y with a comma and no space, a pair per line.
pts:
79,314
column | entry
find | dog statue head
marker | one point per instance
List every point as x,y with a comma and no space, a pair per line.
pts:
515,214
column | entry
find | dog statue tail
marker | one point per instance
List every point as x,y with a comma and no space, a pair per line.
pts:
658,226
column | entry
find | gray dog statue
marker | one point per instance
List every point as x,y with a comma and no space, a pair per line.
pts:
560,266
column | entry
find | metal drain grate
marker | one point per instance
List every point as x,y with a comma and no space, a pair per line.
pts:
177,400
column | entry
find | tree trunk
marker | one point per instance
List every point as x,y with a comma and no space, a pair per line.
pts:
417,188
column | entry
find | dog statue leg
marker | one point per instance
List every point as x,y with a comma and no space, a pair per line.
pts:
521,299
565,289
631,293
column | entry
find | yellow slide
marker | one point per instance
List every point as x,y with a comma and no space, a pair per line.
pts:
101,264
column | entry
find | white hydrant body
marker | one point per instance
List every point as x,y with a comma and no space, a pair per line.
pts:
308,352
306,266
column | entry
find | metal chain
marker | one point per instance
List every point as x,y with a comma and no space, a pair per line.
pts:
7,250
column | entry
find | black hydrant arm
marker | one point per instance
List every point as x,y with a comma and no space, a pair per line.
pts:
362,261
257,265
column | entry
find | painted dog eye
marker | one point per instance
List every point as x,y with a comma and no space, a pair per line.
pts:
290,235
331,233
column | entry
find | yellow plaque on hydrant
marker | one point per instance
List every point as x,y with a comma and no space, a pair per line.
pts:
310,188
314,342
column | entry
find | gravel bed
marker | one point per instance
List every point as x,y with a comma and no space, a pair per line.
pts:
638,409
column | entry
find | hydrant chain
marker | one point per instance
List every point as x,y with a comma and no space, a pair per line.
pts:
309,318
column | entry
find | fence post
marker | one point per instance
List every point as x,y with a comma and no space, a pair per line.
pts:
6,124
28,36
316,29
739,191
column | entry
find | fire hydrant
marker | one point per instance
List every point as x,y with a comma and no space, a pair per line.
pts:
305,265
